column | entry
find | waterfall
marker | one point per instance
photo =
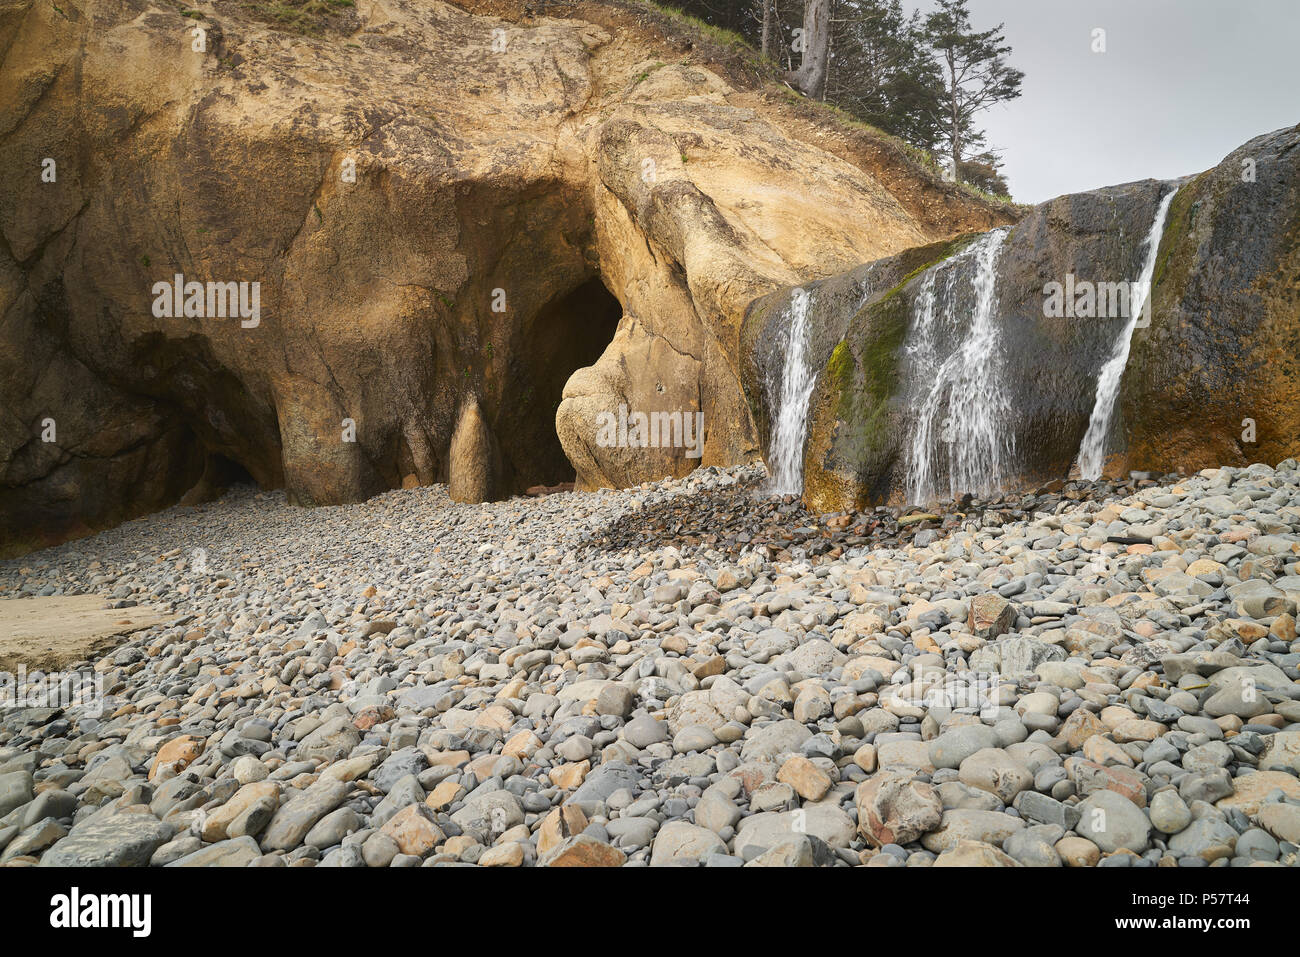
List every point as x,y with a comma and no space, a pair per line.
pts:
1092,450
790,410
963,409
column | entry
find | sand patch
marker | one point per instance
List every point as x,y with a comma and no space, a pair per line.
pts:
52,633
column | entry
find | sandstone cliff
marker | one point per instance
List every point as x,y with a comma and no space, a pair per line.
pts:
439,204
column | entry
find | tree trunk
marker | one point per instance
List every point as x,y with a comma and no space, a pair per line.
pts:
810,78
955,119
767,28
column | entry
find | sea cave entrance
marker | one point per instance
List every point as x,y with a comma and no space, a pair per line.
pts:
568,333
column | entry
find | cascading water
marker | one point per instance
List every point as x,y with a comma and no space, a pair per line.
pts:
962,415
1092,451
791,405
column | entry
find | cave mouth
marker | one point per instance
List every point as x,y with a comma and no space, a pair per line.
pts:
568,333
220,474
227,473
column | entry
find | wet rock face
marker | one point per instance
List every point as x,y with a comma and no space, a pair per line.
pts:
834,305
1221,348
1216,352
871,385
765,341
868,401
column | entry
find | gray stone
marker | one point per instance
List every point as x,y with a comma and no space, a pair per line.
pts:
604,781
15,790
964,824
954,746
800,850
768,829
494,811
678,840
299,812
644,731
235,852
121,839
1112,821
1201,835
1034,846
398,765
1168,812
333,827
332,741
34,839
715,812
779,737
52,803
997,772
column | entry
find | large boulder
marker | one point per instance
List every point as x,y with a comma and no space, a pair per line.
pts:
873,381
1225,320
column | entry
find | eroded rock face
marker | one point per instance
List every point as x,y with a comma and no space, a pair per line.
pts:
1225,316
427,219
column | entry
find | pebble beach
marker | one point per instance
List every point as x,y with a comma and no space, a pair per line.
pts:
688,673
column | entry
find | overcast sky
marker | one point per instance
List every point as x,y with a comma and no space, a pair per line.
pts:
1182,84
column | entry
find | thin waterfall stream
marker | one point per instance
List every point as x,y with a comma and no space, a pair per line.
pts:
961,432
1092,451
791,407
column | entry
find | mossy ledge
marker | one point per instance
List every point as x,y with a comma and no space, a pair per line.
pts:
855,409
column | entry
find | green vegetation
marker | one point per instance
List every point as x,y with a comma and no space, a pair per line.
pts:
714,34
863,370
1180,221
305,17
897,76
1173,264
645,74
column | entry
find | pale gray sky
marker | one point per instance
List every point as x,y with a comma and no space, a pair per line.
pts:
1182,84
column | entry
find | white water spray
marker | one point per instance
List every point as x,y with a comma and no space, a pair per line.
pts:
791,408
964,410
1092,451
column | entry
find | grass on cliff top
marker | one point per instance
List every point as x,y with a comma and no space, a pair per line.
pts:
718,35
305,17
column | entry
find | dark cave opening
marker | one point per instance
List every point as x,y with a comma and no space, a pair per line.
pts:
219,475
568,333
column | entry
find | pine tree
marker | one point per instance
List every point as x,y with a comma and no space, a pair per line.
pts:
883,71
976,73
